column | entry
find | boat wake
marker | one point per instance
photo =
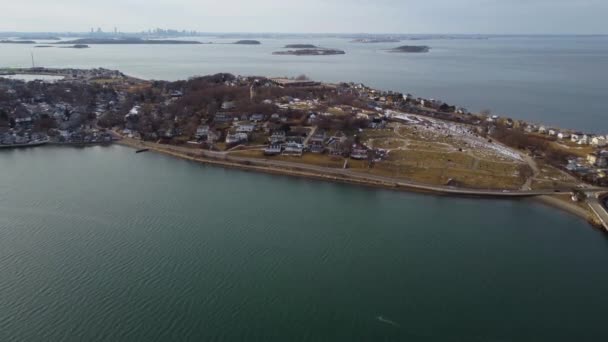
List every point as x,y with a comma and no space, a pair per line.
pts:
387,321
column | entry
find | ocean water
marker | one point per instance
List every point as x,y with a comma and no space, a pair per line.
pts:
556,80
102,244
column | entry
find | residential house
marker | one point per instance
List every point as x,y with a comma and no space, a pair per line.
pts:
316,143
273,150
222,118
277,137
202,131
358,152
234,138
245,128
563,135
257,117
293,149
592,158
212,137
228,105
599,141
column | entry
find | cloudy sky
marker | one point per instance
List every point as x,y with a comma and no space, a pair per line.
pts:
314,16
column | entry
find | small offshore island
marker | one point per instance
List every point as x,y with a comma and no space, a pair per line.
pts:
410,49
310,52
342,132
247,42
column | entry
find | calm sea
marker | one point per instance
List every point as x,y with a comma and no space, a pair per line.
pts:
558,80
102,244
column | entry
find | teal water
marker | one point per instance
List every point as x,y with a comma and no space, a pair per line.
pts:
557,80
102,244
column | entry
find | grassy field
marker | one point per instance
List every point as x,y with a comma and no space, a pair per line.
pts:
437,159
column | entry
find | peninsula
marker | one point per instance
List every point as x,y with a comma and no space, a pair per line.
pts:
342,132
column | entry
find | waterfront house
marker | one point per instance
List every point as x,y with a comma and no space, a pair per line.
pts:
542,130
584,140
574,138
273,150
212,137
293,149
552,132
563,135
316,143
234,138
358,152
202,131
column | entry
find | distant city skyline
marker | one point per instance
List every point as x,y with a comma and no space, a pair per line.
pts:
312,16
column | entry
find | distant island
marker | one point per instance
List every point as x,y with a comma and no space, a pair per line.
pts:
411,49
248,42
127,41
7,41
41,37
310,52
375,40
76,46
301,46
43,46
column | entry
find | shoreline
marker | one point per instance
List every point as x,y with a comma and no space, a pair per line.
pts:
544,199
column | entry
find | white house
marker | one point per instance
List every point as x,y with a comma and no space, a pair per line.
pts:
574,138
599,140
562,135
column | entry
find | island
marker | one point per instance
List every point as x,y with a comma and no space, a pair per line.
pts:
43,46
375,40
339,132
247,42
410,49
40,37
126,41
8,41
76,46
301,46
310,52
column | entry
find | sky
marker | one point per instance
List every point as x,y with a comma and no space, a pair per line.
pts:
310,16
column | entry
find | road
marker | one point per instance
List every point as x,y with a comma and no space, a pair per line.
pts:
375,178
593,200
225,157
